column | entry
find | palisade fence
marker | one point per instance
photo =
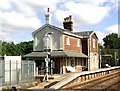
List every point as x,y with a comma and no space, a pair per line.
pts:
16,72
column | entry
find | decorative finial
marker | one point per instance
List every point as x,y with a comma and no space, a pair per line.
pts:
48,10
48,16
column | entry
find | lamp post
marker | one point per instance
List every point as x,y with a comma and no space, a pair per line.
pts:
47,49
100,58
116,57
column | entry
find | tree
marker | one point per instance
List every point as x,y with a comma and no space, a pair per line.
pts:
10,49
111,45
25,47
112,41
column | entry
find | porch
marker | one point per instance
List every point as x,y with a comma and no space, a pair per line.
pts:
61,62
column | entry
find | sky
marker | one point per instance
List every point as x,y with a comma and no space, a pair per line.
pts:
19,18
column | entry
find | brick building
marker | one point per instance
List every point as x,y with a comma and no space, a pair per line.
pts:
69,51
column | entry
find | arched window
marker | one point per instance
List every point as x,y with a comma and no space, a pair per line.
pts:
47,43
35,42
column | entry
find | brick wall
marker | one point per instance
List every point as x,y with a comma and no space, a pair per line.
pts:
73,44
96,43
85,46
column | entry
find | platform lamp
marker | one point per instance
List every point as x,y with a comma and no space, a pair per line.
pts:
47,48
100,58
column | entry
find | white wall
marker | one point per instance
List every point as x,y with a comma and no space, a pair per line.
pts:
57,39
1,72
94,61
12,63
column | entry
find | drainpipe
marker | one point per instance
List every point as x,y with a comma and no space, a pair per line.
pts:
88,53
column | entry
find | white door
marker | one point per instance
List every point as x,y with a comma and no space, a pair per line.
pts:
93,60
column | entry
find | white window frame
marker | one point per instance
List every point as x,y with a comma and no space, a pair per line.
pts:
35,41
93,40
47,42
78,43
68,62
67,40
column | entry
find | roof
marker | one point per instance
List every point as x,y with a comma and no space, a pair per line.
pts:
56,54
85,33
59,29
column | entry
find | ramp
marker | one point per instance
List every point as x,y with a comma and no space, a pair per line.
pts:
68,78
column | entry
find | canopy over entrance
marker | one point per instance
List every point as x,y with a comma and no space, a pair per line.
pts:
56,54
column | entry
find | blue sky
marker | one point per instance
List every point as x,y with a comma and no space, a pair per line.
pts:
19,18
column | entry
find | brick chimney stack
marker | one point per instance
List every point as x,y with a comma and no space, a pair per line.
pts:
68,24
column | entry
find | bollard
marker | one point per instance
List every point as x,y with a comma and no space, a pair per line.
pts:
89,76
94,75
14,88
80,79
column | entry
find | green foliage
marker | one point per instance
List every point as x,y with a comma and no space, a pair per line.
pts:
111,45
10,49
112,41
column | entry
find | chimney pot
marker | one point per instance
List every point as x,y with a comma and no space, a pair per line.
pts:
68,23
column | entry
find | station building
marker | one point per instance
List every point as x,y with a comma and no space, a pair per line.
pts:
69,51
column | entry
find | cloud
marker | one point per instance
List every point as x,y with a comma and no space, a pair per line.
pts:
60,15
25,15
20,20
24,8
5,4
40,5
108,30
83,14
4,36
94,2
16,16
100,35
112,29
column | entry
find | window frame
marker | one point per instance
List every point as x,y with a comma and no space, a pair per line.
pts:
68,62
79,62
67,40
78,42
36,41
47,41
93,42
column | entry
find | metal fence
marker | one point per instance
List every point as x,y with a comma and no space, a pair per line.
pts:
16,72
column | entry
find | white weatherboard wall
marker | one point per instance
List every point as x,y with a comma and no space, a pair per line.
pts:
1,73
12,63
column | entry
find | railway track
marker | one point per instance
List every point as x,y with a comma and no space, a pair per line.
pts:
109,81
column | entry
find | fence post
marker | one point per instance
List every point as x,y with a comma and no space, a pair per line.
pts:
10,73
17,73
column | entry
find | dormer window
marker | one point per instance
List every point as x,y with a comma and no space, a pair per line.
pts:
93,41
78,43
67,40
